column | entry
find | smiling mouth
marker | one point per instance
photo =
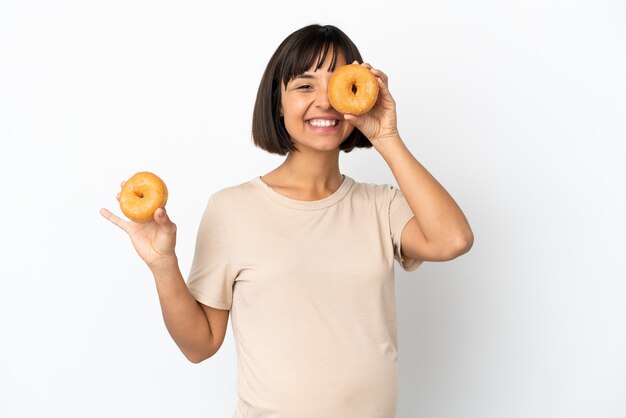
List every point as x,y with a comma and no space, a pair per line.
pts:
323,123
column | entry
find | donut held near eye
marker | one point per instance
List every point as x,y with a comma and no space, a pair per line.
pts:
353,89
142,195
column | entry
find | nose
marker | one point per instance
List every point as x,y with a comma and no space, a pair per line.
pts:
321,100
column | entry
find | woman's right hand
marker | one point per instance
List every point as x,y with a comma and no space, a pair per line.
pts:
154,241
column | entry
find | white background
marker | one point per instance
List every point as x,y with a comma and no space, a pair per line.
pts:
518,108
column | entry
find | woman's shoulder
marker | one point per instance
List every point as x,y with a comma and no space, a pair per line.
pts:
232,194
374,190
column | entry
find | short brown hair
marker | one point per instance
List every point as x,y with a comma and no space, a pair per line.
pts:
295,55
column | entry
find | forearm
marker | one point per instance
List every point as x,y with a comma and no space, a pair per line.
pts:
439,217
184,318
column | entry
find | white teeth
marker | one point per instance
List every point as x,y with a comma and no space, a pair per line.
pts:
323,123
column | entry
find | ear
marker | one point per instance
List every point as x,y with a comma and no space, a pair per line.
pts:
280,111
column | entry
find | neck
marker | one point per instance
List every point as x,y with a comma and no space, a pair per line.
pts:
313,171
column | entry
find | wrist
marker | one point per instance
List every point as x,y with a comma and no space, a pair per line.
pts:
389,140
164,265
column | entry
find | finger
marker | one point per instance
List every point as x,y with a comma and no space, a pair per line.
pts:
114,219
122,183
384,92
382,85
367,65
356,121
380,75
160,215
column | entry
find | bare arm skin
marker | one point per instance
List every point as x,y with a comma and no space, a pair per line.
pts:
439,231
198,330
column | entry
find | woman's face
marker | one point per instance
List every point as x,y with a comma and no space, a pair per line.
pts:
309,118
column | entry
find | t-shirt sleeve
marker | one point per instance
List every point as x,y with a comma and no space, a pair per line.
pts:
211,278
400,214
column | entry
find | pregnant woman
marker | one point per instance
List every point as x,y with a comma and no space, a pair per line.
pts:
302,257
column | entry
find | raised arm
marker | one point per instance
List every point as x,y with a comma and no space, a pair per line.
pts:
439,230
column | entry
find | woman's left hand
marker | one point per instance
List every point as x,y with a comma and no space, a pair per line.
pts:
379,122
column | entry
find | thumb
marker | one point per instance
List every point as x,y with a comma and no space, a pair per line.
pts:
355,121
160,216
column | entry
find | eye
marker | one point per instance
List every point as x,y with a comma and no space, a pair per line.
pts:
304,87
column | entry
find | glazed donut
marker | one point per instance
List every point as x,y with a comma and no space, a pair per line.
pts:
352,89
142,195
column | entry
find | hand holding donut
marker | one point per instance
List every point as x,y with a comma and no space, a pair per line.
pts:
380,121
153,234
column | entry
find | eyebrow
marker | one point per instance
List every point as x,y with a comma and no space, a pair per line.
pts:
304,75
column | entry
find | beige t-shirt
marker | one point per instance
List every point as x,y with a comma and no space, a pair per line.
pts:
310,288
